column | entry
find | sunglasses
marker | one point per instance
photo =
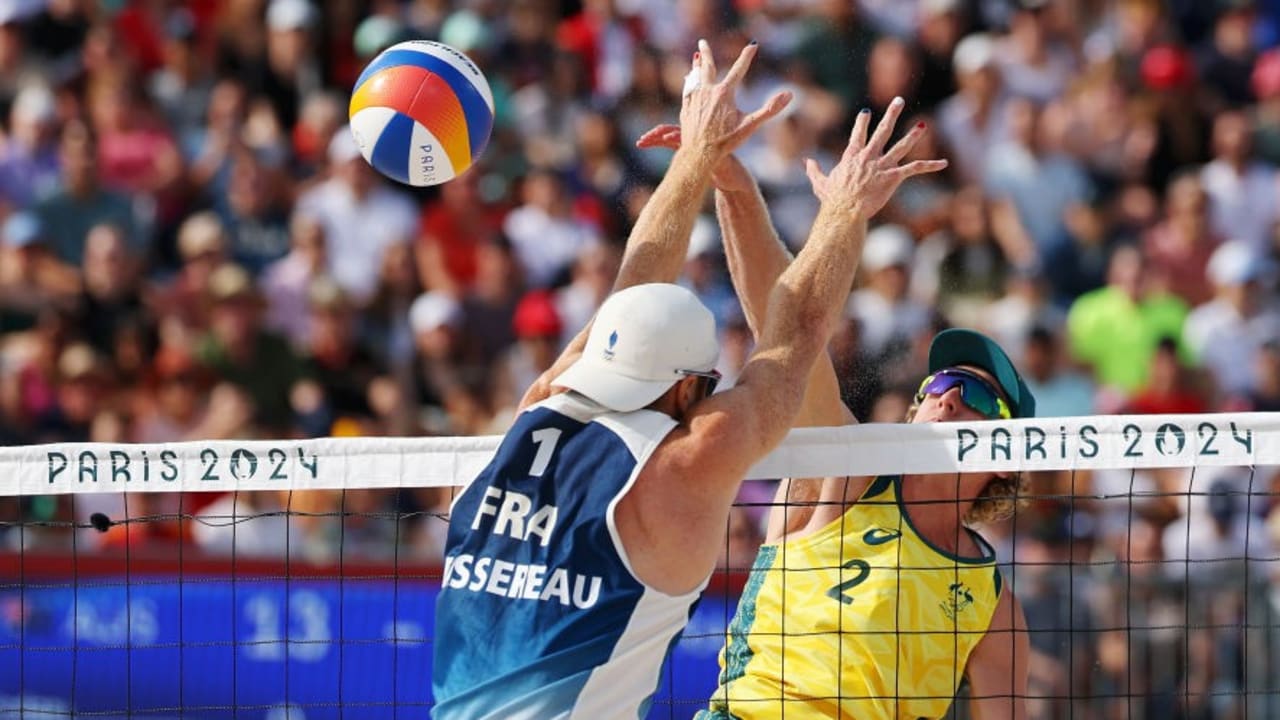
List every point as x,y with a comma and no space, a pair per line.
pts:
710,379
976,393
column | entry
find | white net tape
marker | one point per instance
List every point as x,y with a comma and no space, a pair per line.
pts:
1094,442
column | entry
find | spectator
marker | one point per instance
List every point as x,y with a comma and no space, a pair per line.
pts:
337,362
241,351
83,382
778,164
174,405
547,113
29,159
112,295
892,71
1178,248
1241,190
286,282
182,85
833,32
970,268
544,231
437,321
974,119
590,283
1265,116
705,271
887,317
1060,391
648,103
1169,388
453,228
18,64
1225,334
1032,62
207,147
1181,129
1115,329
289,68
31,279
941,25
538,329
604,39
136,153
202,246
1033,173
1225,62
1217,531
1266,366
255,210
1025,305
361,218
81,202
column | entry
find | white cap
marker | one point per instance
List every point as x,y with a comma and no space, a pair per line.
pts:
343,147
12,11
283,15
929,8
704,239
887,246
1233,263
434,310
35,103
641,340
975,52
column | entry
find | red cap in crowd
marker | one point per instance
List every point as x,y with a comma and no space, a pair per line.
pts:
1167,67
536,316
1266,75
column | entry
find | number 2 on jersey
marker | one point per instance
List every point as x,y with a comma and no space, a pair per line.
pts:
546,440
838,592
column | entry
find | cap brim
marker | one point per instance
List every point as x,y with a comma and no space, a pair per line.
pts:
609,388
958,346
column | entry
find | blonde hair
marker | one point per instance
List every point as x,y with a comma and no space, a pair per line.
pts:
999,500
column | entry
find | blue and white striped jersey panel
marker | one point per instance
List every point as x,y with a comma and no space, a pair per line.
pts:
539,615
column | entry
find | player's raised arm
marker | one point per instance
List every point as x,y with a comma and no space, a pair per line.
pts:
723,435
756,259
656,249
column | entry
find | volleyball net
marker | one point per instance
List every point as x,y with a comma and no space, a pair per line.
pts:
297,578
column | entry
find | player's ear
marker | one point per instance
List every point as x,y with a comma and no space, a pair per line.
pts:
688,391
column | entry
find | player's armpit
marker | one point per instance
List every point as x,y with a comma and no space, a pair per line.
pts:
998,667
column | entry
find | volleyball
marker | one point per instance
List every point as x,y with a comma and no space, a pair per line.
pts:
421,113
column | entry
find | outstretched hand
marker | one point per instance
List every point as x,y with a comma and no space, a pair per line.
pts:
710,121
729,175
868,175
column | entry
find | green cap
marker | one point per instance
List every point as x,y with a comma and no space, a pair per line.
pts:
959,346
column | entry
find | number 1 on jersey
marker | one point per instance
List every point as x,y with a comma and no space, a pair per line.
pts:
546,440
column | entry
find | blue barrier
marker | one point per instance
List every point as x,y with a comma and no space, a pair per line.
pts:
303,650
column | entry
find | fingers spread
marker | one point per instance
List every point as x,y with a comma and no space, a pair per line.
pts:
707,63
920,167
904,145
885,129
811,169
740,66
659,136
858,136
774,105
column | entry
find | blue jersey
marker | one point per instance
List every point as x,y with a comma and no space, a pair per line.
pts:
539,614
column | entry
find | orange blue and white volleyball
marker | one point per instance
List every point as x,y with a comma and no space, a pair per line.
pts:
421,113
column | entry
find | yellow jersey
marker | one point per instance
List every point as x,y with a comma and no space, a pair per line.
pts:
864,619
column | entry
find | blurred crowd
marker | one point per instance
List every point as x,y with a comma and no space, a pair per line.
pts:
191,246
